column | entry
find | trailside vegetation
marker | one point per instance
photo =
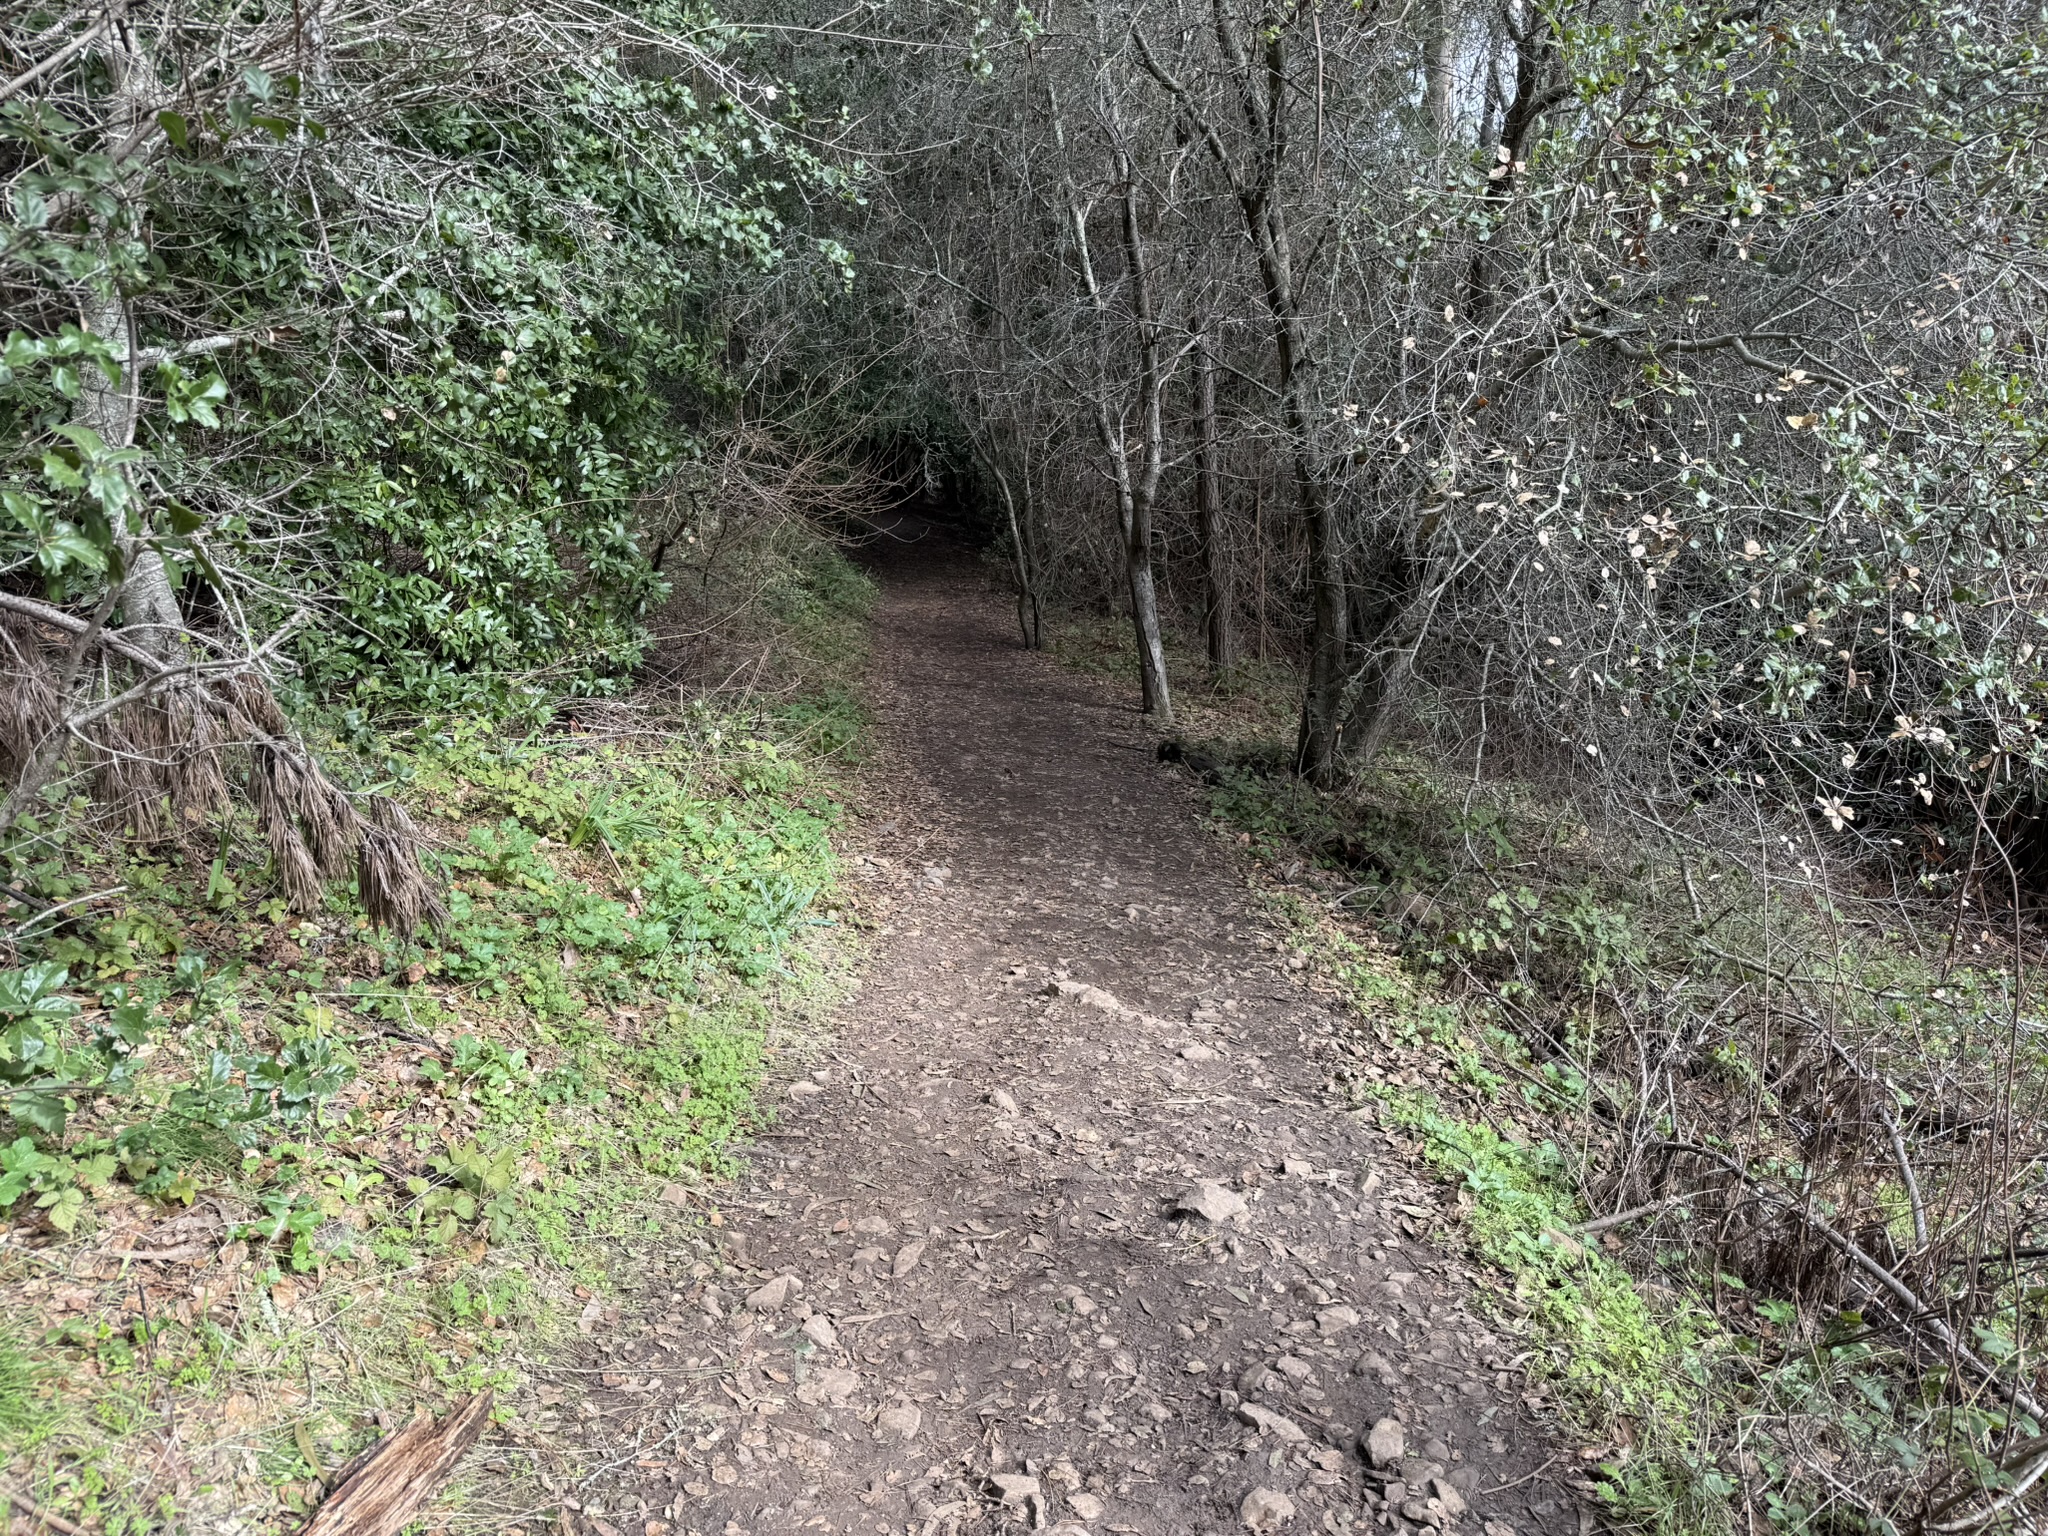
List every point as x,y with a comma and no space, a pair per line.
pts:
370,418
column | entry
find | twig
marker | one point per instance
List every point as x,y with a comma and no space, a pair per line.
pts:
35,1511
1792,980
1917,1310
1527,1477
56,907
2003,1502
56,60
1622,1218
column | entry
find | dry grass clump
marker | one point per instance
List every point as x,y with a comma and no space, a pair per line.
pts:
168,747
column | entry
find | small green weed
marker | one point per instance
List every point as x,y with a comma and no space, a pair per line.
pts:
18,1377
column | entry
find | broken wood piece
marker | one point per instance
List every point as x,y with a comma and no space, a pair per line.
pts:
386,1487
36,1513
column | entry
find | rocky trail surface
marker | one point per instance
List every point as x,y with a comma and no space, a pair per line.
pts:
1068,1230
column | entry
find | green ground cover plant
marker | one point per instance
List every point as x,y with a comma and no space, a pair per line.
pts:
278,1178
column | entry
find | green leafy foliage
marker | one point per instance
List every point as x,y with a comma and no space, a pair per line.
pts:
33,1060
415,363
499,1105
432,410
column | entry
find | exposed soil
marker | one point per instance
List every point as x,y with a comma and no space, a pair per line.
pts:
955,1292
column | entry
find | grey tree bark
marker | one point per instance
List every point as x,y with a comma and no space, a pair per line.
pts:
1263,92
1136,493
112,406
1217,596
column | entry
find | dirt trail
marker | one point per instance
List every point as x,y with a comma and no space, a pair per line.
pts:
1002,1322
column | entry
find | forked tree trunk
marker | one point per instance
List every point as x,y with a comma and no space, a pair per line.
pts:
1022,565
1157,700
1134,523
1135,493
1140,493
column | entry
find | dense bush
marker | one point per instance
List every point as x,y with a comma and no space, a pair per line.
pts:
402,331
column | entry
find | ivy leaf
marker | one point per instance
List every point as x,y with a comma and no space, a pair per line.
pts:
187,399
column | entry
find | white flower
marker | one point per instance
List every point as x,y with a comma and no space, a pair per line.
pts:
1838,814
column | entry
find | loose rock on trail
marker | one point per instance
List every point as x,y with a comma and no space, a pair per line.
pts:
1065,1233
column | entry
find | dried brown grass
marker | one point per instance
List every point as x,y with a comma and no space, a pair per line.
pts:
177,751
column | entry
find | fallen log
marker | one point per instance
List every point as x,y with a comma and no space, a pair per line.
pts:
385,1487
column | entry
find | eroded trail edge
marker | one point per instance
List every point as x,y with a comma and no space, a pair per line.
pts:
1066,1231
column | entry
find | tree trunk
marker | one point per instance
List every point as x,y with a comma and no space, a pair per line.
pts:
1216,593
1518,120
148,605
1381,684
1032,527
1416,576
1322,704
1259,543
1021,563
1263,92
1142,493
1134,522
110,407
1134,494
1145,620
1439,68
